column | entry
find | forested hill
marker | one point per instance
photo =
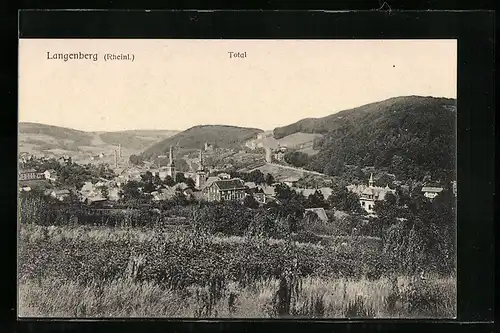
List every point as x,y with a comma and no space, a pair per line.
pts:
409,136
221,136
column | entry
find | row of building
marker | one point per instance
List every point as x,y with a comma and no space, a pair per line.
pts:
32,174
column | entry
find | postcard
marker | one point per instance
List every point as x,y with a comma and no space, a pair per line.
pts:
190,178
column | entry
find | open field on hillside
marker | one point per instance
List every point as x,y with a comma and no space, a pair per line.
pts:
282,172
300,141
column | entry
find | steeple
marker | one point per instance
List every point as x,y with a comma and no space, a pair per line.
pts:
201,175
200,162
370,181
171,158
171,166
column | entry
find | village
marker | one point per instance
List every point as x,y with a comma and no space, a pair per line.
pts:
216,182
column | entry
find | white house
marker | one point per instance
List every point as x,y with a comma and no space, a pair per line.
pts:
50,174
60,194
431,192
250,185
291,181
368,195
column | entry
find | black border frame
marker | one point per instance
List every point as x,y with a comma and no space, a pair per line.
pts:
475,33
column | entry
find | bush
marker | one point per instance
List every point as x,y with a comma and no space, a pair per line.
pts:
177,258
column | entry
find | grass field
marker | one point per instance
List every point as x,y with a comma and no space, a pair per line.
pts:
326,298
109,272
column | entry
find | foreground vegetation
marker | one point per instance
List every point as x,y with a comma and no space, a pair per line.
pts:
317,298
110,272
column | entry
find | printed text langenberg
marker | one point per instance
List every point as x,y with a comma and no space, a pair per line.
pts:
90,56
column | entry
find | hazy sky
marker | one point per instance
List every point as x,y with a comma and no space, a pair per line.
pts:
176,84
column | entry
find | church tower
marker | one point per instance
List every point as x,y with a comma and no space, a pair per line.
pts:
201,174
370,181
171,164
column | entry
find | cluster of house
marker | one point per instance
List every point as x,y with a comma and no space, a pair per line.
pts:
370,194
32,174
274,150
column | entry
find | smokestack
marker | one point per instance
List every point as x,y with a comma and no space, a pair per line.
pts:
119,150
268,155
116,159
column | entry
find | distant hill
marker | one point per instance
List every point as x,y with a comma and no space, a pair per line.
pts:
136,139
41,138
221,136
53,134
410,136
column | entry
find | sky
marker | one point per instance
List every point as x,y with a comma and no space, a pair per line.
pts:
177,84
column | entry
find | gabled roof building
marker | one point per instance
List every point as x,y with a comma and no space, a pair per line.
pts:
225,189
368,195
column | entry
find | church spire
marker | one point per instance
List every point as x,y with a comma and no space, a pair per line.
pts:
200,162
370,181
171,157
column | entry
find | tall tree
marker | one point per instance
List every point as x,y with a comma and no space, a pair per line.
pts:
296,158
147,177
131,190
316,200
134,159
169,181
190,183
283,192
180,178
256,176
157,180
344,200
148,187
269,179
250,202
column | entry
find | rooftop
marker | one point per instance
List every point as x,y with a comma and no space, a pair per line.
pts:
58,192
320,212
291,179
26,170
432,189
230,184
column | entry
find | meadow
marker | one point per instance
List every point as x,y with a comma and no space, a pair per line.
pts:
90,271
